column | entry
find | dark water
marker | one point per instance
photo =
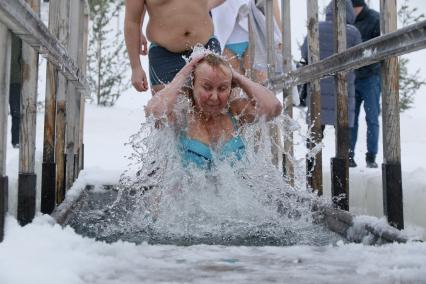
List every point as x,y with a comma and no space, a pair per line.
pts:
98,218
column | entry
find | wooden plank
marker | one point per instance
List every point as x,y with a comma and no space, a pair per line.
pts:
341,222
64,35
288,156
72,99
5,57
391,168
403,41
340,169
57,15
252,47
83,66
27,132
314,162
270,47
24,22
71,204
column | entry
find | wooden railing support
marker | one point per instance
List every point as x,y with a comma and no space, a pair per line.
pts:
64,77
339,164
27,181
391,167
72,99
314,163
288,155
274,131
61,108
84,39
406,40
22,21
55,87
5,55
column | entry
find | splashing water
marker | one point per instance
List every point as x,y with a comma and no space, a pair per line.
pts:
245,202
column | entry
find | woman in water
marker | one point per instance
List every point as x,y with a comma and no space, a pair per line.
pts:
209,128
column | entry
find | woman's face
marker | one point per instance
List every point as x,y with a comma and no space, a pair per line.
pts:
212,88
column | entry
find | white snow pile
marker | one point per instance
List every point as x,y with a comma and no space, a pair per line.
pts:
44,252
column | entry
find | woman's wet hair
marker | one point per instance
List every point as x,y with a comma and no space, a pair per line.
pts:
215,61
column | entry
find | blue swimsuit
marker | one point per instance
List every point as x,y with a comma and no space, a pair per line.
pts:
200,154
239,49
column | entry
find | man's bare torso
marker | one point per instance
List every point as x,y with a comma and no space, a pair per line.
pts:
178,25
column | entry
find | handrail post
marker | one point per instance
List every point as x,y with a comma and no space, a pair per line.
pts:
53,83
391,167
27,182
60,107
288,154
270,47
314,163
83,66
339,164
5,57
72,100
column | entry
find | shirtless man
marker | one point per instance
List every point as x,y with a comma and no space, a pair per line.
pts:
174,28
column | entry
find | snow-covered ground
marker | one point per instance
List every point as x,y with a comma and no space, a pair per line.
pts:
44,252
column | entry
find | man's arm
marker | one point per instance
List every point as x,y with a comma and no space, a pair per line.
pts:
214,3
132,34
143,42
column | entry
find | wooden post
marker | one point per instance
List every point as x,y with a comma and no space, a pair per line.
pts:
72,99
27,185
271,46
83,66
287,92
391,168
55,83
252,47
270,38
5,54
339,164
314,163
60,105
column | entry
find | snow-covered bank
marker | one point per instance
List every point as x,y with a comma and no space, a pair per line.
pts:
43,252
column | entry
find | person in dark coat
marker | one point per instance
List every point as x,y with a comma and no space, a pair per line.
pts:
15,89
367,85
326,43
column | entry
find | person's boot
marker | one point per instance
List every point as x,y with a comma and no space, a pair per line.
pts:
371,161
351,160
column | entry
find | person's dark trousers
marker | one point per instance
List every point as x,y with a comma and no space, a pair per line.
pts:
367,90
15,110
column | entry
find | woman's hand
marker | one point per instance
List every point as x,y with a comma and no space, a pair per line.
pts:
188,69
236,78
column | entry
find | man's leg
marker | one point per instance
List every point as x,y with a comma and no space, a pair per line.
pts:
353,132
372,111
15,111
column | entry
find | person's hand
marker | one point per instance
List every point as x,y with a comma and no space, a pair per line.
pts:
236,77
139,80
187,70
143,44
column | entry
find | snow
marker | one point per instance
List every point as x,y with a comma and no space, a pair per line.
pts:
44,252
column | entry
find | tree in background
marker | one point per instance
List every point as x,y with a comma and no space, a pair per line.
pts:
107,53
409,83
